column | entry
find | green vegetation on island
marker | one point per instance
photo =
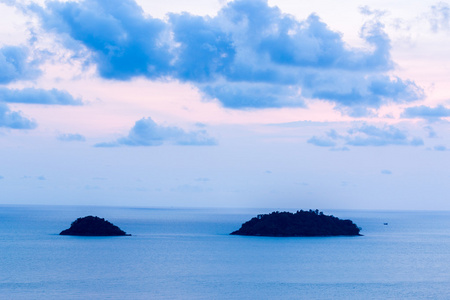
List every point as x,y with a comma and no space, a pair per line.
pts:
300,224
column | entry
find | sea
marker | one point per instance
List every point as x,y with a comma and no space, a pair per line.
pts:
188,254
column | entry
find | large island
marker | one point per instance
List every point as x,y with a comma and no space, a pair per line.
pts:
299,224
93,226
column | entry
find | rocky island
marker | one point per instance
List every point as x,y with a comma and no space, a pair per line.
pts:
93,226
299,224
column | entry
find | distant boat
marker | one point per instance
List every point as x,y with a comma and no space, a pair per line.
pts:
385,223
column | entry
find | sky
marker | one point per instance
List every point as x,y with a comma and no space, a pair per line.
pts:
213,103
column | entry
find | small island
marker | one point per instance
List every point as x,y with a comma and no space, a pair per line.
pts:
300,224
93,226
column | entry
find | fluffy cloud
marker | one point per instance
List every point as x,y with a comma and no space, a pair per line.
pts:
425,112
146,132
124,43
440,17
14,65
330,140
38,96
367,135
14,120
71,137
322,141
250,55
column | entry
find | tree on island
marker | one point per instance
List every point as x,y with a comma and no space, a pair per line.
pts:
299,224
93,226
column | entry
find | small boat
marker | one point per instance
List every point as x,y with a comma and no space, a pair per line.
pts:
385,223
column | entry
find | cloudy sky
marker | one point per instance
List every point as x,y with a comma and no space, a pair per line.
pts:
215,103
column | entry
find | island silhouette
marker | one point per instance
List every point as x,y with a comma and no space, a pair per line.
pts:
93,226
300,224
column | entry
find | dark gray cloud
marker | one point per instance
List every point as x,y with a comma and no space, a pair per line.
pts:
38,96
71,137
367,135
146,132
13,119
15,65
250,55
425,112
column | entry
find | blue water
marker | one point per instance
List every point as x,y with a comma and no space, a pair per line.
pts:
188,254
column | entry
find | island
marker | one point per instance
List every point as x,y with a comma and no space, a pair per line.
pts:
300,224
93,226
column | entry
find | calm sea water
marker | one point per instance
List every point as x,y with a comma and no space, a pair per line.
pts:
188,254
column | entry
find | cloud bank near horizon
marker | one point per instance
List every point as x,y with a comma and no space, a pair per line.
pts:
146,132
250,55
366,135
70,137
